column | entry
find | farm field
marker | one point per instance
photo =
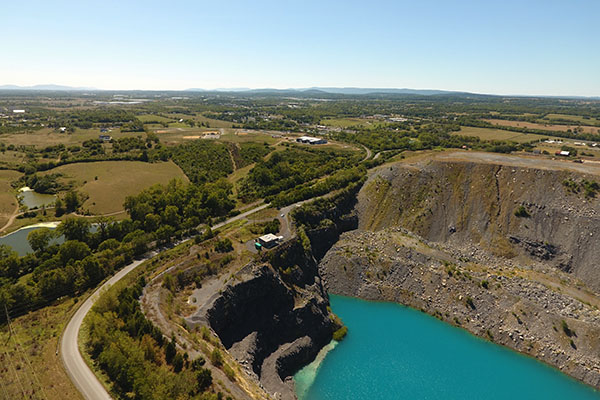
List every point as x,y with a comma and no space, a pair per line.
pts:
574,118
547,127
8,201
50,137
348,122
115,181
499,134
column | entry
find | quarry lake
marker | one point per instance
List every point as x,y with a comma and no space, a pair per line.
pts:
394,352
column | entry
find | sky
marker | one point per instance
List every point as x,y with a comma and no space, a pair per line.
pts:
529,47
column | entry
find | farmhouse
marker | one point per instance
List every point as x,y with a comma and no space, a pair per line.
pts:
269,240
311,140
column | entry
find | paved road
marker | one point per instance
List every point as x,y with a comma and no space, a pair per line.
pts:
80,374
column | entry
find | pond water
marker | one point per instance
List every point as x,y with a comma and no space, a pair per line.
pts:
32,199
395,352
18,239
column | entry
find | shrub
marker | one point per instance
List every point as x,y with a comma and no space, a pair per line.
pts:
340,334
216,358
224,246
522,212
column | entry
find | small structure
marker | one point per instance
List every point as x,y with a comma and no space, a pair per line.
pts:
563,153
18,111
269,240
105,138
311,140
62,129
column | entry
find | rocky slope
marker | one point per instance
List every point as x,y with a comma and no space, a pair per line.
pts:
504,250
273,317
475,203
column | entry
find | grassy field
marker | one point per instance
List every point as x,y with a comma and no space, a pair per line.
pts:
574,118
50,137
348,122
499,134
107,183
29,358
153,117
547,127
8,201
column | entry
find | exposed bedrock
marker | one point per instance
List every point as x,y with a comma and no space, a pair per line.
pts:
474,205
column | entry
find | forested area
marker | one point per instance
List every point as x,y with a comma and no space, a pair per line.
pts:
139,361
202,160
85,258
293,167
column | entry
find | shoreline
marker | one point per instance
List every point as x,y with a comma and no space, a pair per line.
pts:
305,377
51,225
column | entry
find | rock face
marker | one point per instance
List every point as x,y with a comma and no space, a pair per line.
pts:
506,252
475,203
273,322
518,308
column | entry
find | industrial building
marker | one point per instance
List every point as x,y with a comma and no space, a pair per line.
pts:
311,140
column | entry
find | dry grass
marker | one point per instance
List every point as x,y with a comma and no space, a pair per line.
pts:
8,201
50,137
31,354
107,183
546,127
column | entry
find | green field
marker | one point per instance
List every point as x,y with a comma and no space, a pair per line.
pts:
115,181
348,122
574,118
499,134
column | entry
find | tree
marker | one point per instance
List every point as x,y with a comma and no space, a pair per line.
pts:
75,229
59,208
73,250
71,201
40,238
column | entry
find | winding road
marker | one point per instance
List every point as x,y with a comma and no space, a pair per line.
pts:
81,375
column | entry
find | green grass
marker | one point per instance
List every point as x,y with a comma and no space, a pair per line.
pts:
153,117
348,122
116,180
574,118
499,134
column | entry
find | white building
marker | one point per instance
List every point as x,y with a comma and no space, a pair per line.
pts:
311,140
269,240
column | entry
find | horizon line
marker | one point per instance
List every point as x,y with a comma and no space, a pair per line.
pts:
61,87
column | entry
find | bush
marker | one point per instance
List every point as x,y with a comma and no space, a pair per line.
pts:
216,358
224,246
229,372
340,334
522,212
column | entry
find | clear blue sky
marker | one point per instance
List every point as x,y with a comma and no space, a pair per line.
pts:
507,47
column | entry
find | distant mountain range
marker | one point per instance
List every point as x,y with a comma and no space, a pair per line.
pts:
331,91
334,90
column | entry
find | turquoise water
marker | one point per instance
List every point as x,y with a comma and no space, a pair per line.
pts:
394,352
